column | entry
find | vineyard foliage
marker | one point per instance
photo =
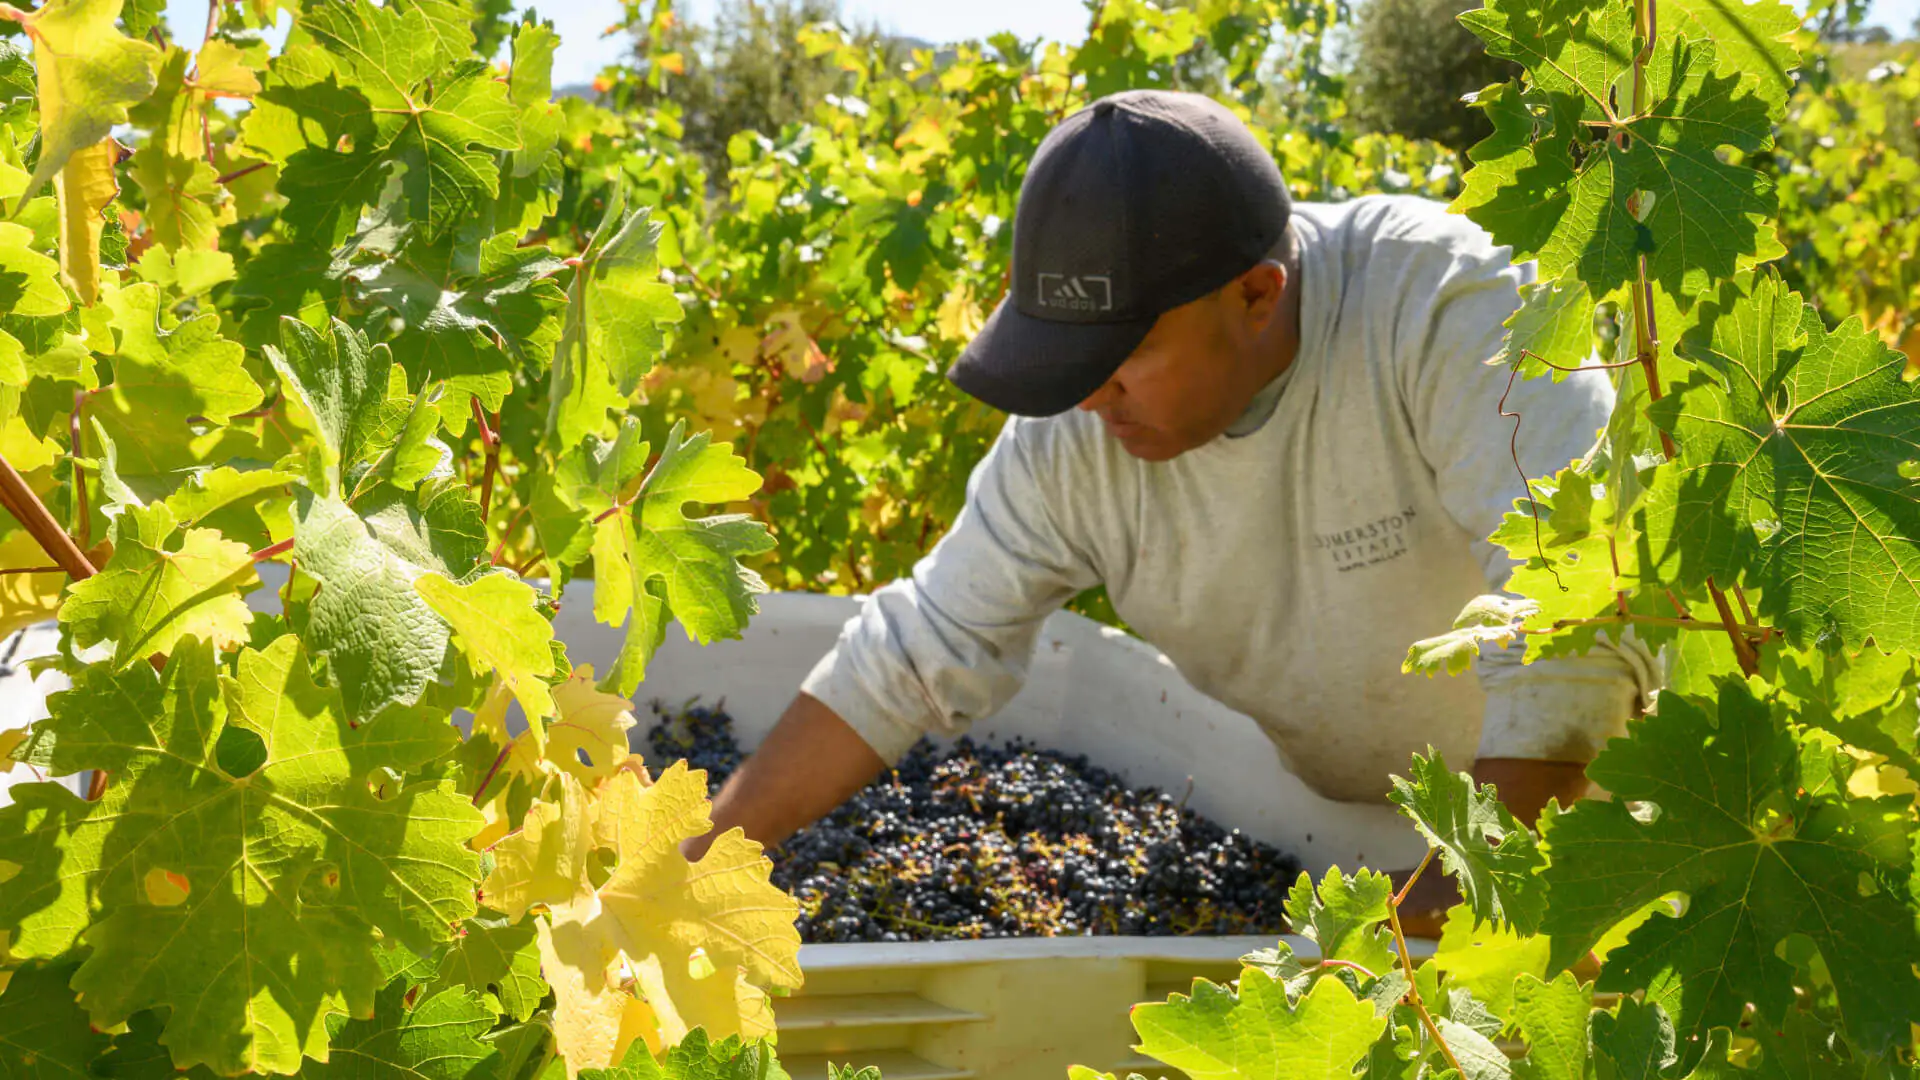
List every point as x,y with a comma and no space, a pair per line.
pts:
282,370
324,367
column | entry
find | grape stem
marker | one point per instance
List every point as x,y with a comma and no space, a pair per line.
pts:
1742,647
1406,963
490,439
1348,964
1646,620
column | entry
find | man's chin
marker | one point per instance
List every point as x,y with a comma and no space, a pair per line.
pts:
1147,444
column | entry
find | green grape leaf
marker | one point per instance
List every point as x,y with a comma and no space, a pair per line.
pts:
588,480
44,1034
1795,445
29,281
1491,619
617,311
171,390
1216,1033
1490,854
524,1052
162,584
186,206
1556,178
1553,1017
501,632
530,85
451,24
1751,36
384,643
696,560
1487,960
89,72
251,505
473,334
343,384
437,1039
1552,329
1758,861
1575,561
696,1058
498,956
1866,699
1801,1049
250,906
439,119
1344,917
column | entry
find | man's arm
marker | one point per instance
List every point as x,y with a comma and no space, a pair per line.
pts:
810,763
929,653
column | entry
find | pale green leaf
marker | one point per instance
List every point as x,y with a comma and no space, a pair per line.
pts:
163,583
1490,854
1215,1034
496,624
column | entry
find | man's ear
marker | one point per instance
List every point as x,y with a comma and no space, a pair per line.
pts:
1260,291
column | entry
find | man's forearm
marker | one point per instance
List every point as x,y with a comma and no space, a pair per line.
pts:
811,762
1526,786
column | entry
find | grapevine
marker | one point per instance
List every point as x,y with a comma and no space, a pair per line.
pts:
281,381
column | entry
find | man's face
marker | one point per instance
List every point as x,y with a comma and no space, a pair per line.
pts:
1197,369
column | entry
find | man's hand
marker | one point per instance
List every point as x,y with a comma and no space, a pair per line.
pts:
1525,787
810,763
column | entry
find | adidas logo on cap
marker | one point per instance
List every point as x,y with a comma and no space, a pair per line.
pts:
1076,292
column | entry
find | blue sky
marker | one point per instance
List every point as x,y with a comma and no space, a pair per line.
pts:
583,51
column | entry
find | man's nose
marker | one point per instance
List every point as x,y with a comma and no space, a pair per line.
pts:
1100,397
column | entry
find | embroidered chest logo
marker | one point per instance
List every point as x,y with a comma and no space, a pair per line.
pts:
1076,292
1380,540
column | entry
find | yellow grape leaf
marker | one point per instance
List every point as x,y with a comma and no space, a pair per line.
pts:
10,741
680,1005
658,911
26,599
959,318
799,355
83,190
595,1018
549,859
589,724
498,628
89,72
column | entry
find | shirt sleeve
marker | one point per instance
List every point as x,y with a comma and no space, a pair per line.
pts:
952,643
1562,709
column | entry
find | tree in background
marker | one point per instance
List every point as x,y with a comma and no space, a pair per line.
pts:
1413,61
747,70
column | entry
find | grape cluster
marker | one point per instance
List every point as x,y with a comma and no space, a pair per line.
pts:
980,841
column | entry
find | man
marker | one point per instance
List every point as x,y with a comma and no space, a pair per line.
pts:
1270,432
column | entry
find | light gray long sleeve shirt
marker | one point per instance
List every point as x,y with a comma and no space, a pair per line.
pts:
1283,567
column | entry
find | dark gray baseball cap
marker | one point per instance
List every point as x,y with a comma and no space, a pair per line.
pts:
1135,205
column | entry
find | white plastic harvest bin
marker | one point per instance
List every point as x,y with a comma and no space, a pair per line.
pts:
1018,1009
